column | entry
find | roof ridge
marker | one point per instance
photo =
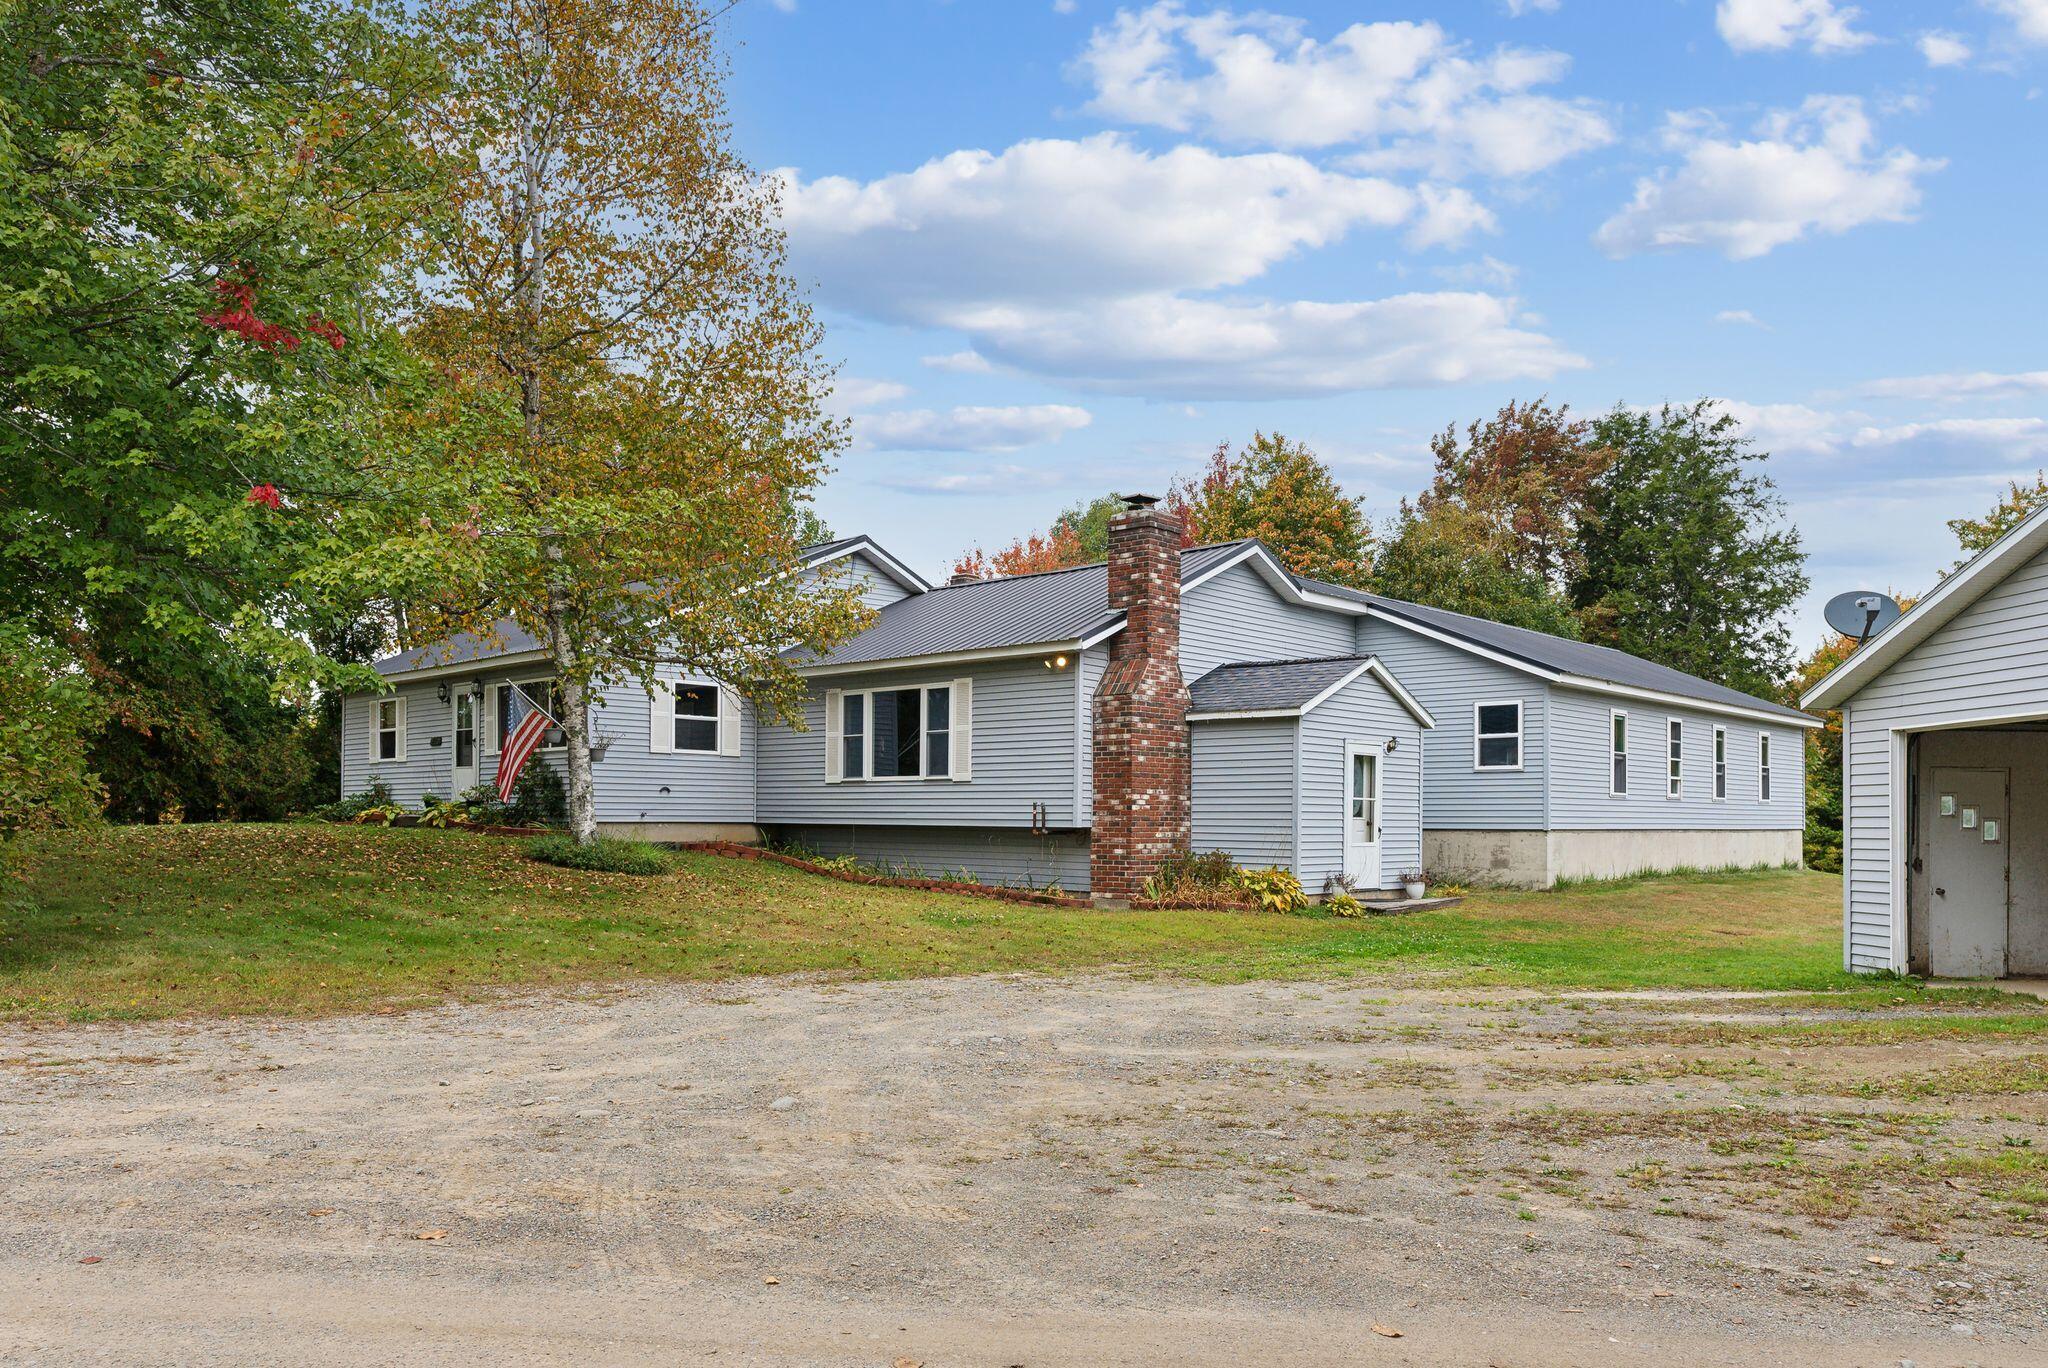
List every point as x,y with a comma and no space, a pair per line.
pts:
1085,565
1297,660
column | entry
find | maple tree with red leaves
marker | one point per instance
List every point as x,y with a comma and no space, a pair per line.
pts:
1041,551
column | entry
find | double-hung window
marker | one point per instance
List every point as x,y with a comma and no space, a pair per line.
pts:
390,739
1617,752
896,733
696,717
1720,764
1497,736
1675,785
1763,768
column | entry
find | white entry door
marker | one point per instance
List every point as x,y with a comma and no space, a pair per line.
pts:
465,776
1362,815
1967,874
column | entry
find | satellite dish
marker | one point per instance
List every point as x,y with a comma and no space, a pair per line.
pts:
1861,614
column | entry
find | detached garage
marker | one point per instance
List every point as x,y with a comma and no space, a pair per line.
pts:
1945,774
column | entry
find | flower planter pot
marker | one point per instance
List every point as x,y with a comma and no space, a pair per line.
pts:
1414,890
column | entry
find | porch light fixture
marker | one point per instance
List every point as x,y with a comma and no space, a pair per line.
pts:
442,692
1058,662
1393,744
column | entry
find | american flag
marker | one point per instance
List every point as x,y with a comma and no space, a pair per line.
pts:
525,724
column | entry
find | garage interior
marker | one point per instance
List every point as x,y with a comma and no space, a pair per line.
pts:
1977,874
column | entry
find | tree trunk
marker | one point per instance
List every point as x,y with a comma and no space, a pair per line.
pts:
575,718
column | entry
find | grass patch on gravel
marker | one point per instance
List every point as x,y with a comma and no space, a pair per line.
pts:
307,919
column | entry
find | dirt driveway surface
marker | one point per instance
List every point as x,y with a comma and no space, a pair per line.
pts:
1028,1171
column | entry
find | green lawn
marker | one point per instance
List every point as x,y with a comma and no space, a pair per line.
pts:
304,919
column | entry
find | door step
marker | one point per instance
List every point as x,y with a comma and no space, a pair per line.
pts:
1379,907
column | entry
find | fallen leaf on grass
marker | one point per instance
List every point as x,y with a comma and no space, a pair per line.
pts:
772,1280
1660,1291
321,1211
430,1235
90,1258
1385,1331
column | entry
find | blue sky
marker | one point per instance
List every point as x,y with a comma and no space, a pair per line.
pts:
1062,248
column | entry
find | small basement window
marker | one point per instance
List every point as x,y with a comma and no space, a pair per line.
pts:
1676,783
696,719
1497,736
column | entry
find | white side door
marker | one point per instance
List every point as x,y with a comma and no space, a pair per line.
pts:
465,767
1362,814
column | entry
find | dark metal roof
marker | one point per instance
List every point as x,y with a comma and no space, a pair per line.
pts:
507,637
1558,655
991,615
1266,685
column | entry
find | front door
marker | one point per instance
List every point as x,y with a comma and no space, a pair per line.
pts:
1968,891
465,777
1362,815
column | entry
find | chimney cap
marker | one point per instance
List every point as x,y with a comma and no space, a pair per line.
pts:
1139,500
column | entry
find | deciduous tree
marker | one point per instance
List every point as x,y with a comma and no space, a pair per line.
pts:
2013,508
1278,491
634,387
1688,558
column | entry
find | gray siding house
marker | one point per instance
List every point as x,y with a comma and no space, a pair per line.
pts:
1067,727
1945,774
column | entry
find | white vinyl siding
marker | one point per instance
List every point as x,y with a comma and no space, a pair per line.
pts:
1244,789
1582,770
1236,616
1990,660
1363,711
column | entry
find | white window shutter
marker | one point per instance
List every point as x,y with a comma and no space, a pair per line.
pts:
489,740
401,726
728,721
833,721
661,719
963,729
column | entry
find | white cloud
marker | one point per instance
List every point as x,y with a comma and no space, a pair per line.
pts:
1811,170
1960,385
1944,49
850,392
1518,8
1797,429
1742,317
1079,260
1170,347
2029,17
959,363
1488,271
1406,93
971,428
1051,219
1774,25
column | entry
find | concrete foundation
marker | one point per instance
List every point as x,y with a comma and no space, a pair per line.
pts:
1538,859
679,833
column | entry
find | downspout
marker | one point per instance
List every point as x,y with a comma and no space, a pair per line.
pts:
1549,836
1080,734
1300,865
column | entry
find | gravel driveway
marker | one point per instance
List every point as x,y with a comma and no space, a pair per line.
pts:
1015,1170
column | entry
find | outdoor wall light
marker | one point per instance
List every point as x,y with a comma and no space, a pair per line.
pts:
1393,744
442,692
1058,662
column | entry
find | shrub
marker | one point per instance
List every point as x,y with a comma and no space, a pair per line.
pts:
377,795
482,805
1344,904
538,798
1275,889
606,854
435,813
1185,869
378,814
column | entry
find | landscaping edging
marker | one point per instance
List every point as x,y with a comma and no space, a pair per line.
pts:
736,851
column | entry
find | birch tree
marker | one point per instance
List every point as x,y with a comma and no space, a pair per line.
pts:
632,384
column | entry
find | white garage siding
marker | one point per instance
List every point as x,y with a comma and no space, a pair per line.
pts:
1989,661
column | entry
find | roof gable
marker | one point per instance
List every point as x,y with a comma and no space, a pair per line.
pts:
1983,573
1289,688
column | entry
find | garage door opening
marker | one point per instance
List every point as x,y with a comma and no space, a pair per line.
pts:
1977,885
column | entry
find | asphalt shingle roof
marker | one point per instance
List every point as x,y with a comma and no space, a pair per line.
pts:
1559,655
1262,685
988,615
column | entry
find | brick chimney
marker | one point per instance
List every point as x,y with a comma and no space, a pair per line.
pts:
1142,777
963,577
